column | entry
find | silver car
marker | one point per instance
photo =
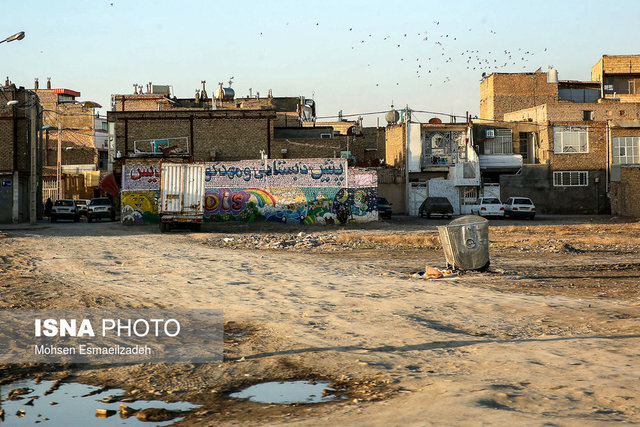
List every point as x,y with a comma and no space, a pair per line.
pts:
64,209
100,207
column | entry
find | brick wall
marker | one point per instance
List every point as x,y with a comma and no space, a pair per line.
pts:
77,137
301,148
233,135
615,64
505,93
624,194
6,143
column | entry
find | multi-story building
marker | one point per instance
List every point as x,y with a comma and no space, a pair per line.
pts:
20,154
76,137
429,159
574,152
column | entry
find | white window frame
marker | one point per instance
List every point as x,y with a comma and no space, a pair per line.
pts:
571,179
562,136
626,150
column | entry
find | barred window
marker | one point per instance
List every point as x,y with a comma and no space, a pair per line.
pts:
626,150
571,179
570,139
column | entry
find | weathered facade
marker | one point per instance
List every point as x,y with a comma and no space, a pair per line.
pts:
19,139
575,132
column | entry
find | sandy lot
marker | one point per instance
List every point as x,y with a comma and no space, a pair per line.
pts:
550,334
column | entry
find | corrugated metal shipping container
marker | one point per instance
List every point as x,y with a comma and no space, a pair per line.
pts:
181,189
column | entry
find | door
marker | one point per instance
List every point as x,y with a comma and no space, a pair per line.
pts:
418,191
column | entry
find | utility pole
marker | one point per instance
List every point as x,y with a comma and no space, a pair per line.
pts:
33,178
59,160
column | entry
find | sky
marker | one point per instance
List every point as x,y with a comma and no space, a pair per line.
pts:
358,57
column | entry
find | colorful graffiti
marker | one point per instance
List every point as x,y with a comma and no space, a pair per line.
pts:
289,205
140,206
361,203
301,191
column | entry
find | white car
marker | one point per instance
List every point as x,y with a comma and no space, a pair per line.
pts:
519,207
489,206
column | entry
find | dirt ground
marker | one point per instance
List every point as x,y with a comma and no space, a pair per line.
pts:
550,334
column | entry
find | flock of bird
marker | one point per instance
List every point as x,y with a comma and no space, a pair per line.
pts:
442,54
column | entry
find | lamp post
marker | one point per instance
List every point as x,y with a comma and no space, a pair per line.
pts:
16,36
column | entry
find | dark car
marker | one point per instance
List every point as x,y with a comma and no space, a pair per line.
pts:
436,206
384,208
100,207
64,209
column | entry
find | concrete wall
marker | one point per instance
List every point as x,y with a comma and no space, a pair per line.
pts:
395,194
395,145
536,182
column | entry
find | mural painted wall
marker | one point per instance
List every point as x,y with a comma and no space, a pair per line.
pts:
299,205
140,193
299,191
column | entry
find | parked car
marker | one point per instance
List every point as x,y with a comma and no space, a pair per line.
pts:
489,206
100,207
82,206
384,208
521,207
64,209
436,206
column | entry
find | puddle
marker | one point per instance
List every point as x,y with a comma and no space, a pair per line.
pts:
288,392
73,406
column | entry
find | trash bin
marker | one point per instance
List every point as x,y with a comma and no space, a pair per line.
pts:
465,241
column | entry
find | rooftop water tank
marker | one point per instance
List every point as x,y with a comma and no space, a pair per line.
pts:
224,92
552,75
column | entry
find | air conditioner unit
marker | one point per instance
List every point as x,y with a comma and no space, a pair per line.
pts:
490,133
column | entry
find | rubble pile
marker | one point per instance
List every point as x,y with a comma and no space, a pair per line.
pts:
287,241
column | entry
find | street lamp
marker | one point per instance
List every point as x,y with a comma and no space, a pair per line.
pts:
16,36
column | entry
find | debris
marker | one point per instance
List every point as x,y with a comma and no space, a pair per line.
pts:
109,399
21,413
432,273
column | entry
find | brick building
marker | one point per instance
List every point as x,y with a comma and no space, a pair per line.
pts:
195,135
290,111
294,132
17,134
577,132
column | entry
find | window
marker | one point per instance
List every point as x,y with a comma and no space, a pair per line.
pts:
326,136
571,179
587,115
625,150
570,139
105,126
